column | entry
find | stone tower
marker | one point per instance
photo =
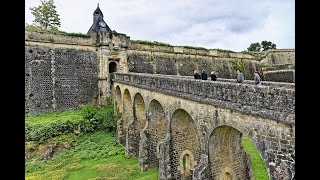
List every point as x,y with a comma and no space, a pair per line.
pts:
112,53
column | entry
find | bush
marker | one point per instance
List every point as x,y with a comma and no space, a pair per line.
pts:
89,118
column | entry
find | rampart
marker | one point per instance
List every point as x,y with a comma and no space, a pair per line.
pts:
91,59
59,76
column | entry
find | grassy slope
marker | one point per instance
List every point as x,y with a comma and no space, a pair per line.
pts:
259,169
95,156
49,117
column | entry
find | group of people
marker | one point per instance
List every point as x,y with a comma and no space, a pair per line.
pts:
240,77
204,75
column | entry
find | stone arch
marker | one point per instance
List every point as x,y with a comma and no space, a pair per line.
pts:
227,157
155,132
227,174
118,99
139,122
186,163
185,138
126,118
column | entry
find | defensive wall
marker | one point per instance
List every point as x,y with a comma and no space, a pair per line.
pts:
192,129
60,60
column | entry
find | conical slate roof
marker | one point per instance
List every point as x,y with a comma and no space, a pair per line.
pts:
97,11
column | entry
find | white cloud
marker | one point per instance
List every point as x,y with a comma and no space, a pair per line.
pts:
231,24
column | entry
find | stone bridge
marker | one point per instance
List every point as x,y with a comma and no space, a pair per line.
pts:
192,129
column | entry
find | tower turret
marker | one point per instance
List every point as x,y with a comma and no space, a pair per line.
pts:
98,23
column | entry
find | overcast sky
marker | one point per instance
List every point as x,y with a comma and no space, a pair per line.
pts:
224,24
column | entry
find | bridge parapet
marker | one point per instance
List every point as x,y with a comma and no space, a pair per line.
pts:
264,83
275,101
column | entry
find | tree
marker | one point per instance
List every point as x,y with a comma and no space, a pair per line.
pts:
265,45
268,45
46,15
254,47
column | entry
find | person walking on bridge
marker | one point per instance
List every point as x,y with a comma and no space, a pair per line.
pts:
257,79
240,77
204,75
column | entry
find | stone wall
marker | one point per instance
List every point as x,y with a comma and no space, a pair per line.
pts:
171,63
277,103
35,36
176,60
279,56
59,77
274,137
228,160
184,145
279,65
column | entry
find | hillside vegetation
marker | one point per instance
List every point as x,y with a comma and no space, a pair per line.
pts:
81,144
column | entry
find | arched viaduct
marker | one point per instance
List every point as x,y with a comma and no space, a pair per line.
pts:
192,129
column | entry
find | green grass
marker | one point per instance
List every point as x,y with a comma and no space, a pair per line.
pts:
195,47
259,168
93,156
57,116
154,43
55,31
223,50
89,118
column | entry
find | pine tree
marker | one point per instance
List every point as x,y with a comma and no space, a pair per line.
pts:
46,15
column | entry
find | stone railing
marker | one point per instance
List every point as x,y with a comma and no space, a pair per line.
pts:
269,101
263,83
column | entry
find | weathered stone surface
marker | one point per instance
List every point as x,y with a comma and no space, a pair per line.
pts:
224,116
246,98
59,78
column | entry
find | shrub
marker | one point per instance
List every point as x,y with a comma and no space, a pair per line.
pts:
89,118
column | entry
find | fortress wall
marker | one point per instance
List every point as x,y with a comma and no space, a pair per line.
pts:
279,65
177,60
59,77
279,56
57,39
170,63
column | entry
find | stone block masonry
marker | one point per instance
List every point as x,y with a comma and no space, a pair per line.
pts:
58,78
203,123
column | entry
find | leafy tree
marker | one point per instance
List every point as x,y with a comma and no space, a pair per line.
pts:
46,15
254,47
265,45
268,45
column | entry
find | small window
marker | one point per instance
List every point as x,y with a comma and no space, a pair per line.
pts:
112,67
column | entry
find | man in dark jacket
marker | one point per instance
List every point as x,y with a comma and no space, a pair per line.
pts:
213,76
240,77
196,75
204,75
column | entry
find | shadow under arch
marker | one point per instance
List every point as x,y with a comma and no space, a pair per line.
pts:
139,122
155,132
127,116
118,99
227,156
185,138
